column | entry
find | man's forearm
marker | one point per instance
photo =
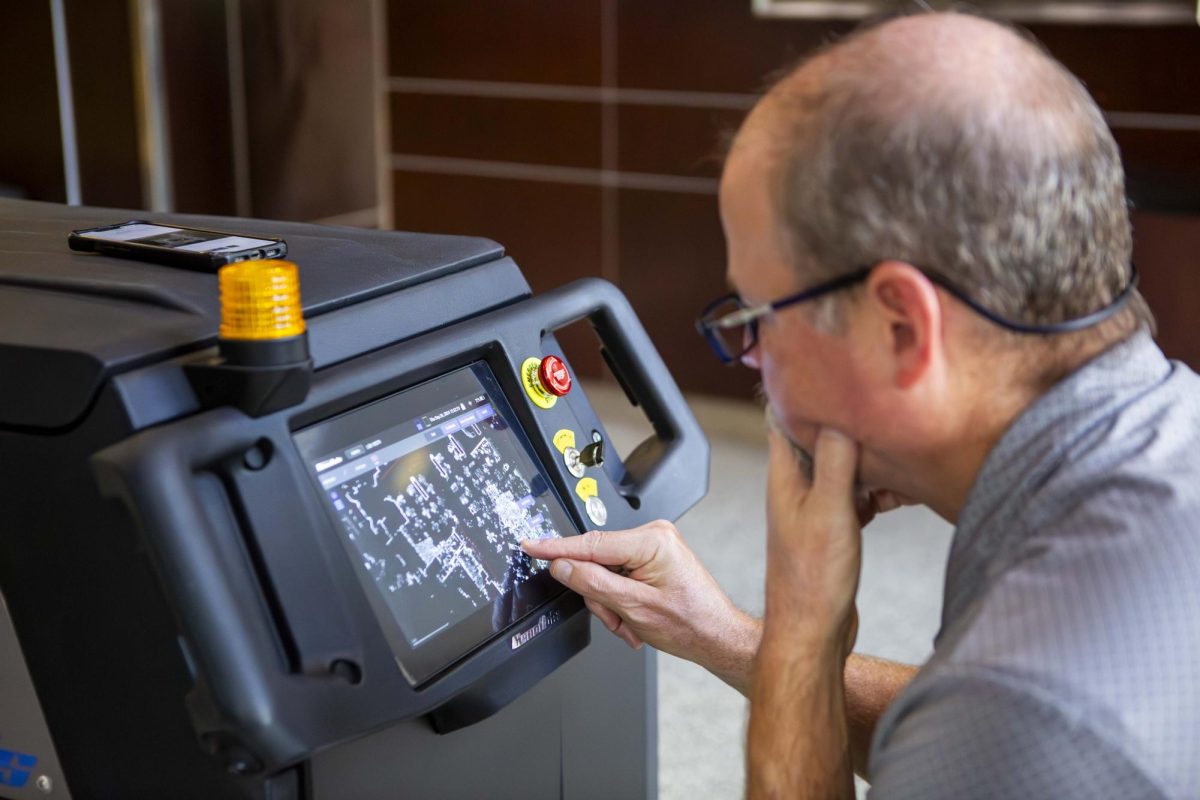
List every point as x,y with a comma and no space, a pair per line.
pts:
870,683
798,743
730,656
871,686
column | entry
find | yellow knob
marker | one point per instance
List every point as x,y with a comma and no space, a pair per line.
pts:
260,300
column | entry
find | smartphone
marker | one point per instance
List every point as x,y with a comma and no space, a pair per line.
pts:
187,248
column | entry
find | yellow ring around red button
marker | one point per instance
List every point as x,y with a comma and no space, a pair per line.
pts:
533,384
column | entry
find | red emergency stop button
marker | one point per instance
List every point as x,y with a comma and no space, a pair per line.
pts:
554,376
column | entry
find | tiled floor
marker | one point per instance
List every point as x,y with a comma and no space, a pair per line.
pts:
701,720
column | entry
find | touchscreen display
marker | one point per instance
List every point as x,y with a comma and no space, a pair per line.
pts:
433,490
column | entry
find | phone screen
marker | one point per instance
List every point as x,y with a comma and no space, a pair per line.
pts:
179,238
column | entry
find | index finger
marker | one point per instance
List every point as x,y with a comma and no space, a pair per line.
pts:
630,549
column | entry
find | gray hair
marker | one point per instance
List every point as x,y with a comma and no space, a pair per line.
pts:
1013,190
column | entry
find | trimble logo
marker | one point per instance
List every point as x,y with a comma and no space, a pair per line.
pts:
542,625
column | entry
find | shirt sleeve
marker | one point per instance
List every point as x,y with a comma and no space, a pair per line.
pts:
989,736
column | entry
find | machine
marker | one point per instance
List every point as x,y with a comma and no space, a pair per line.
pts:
290,570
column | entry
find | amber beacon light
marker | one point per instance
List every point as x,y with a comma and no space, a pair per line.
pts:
260,300
263,363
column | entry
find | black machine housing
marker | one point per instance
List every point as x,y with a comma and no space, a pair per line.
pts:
190,619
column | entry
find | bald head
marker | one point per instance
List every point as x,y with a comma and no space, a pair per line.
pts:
961,70
958,145
945,64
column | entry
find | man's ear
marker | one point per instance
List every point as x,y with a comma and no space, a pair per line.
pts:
911,315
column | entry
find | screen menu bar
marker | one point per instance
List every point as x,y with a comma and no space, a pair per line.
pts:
415,434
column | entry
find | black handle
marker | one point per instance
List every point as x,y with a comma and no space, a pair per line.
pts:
169,478
664,465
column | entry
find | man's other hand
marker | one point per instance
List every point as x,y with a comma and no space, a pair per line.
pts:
646,585
814,541
799,739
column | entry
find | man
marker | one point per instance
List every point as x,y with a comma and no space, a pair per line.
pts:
970,339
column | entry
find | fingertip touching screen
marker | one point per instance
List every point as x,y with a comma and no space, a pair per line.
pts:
433,489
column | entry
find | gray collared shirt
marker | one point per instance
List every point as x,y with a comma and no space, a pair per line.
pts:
1068,661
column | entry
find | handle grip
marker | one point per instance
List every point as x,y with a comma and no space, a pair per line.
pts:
664,465
166,477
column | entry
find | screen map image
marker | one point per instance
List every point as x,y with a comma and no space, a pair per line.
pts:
438,516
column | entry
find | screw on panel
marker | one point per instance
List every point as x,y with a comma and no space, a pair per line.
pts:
44,784
259,455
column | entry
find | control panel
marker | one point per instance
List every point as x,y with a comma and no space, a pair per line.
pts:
386,509
545,380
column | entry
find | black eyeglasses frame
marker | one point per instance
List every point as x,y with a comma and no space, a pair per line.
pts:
748,316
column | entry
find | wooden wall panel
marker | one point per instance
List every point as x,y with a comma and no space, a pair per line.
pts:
674,81
310,100
716,46
551,230
498,129
198,105
674,140
534,41
1131,69
1166,249
672,265
98,32
1162,167
30,141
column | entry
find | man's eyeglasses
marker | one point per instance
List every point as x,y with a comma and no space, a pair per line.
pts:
731,327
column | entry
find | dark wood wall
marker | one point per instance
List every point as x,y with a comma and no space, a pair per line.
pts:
31,150
307,84
585,136
27,85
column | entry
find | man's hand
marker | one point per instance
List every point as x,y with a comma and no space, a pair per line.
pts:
646,585
814,538
799,740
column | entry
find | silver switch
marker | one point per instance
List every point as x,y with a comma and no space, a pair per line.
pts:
596,510
575,465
